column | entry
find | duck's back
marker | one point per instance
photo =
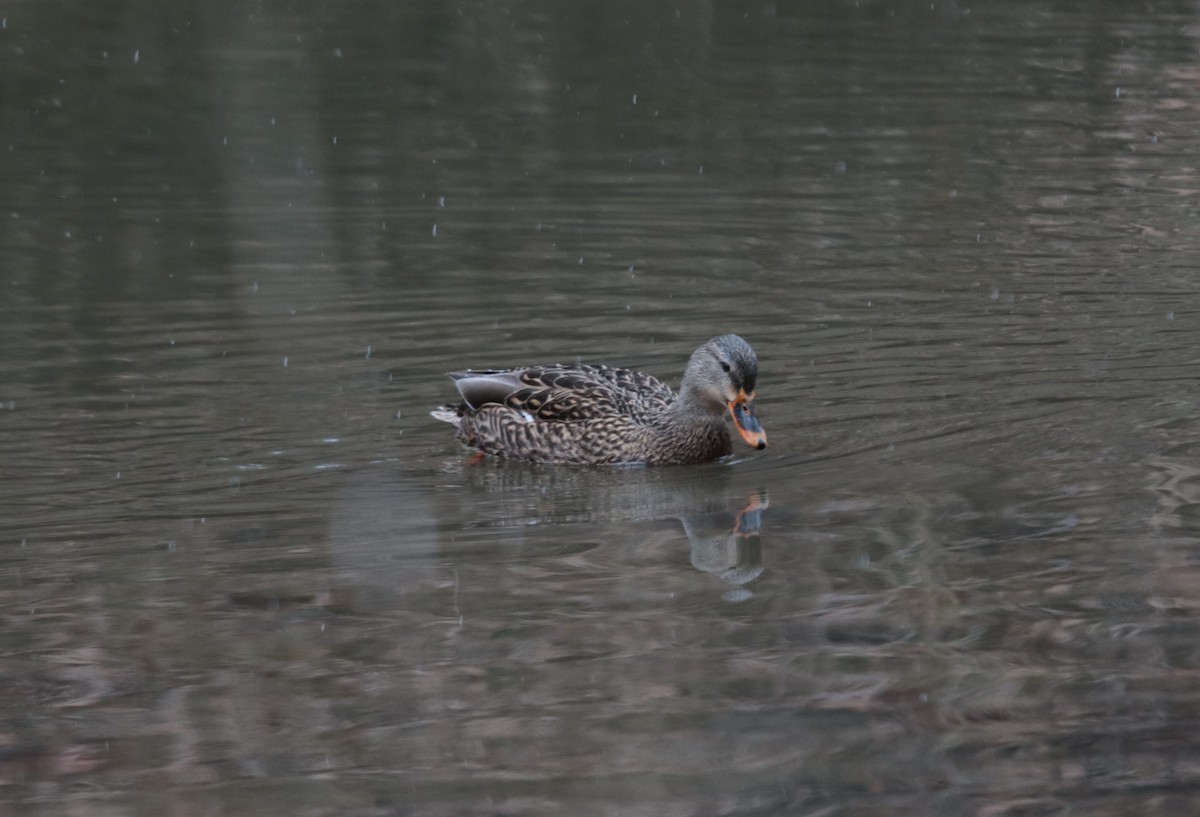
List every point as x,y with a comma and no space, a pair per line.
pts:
584,392
560,412
567,392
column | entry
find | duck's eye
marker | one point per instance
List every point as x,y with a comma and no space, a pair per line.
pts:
724,365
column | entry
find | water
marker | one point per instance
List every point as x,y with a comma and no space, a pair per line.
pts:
243,569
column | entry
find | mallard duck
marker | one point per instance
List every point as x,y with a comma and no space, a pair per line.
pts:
599,415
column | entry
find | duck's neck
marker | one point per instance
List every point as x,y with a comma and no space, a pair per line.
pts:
694,406
691,429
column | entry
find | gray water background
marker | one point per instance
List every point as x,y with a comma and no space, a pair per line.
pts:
243,571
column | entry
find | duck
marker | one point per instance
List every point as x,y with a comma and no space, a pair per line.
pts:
593,414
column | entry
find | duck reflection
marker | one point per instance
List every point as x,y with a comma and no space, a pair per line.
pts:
461,520
721,520
733,556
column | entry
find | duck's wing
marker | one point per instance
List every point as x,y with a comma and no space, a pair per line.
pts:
480,388
565,392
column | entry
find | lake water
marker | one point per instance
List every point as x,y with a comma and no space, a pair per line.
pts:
243,571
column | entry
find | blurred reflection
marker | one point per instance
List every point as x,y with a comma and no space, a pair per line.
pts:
732,555
402,536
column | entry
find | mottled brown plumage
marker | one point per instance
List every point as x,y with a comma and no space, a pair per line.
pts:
598,415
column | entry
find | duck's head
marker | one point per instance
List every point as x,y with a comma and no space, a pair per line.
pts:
721,374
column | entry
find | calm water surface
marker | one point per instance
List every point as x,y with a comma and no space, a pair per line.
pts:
243,571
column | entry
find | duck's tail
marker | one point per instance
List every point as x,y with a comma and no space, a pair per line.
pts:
448,414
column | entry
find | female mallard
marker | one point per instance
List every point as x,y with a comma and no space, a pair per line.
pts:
598,415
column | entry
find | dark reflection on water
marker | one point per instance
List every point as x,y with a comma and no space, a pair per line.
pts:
241,569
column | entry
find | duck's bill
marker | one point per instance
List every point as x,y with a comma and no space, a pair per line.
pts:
742,411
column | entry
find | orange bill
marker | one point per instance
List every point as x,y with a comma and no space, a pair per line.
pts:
741,409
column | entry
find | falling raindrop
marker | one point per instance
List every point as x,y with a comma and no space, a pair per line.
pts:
285,361
435,231
137,55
